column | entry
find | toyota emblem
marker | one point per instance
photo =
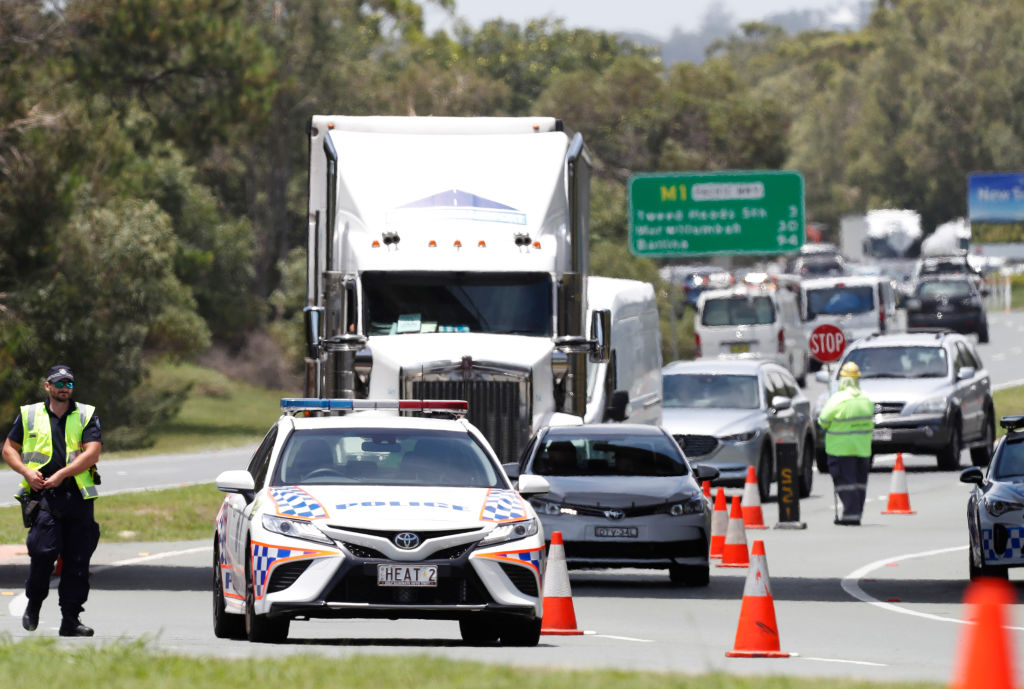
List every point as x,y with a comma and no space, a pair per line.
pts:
614,514
407,540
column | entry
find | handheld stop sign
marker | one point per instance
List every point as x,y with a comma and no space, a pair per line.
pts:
827,343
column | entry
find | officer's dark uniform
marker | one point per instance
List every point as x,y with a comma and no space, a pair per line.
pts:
65,525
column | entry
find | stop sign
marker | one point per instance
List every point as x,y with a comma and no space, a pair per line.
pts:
827,343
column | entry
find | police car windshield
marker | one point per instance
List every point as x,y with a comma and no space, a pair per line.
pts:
1009,463
399,303
703,390
900,362
610,456
385,456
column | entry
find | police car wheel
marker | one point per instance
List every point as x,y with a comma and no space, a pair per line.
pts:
479,629
225,625
521,631
982,570
260,628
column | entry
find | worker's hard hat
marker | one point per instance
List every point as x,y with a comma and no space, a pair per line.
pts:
850,370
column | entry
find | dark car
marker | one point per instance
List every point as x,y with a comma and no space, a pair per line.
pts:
995,510
951,303
692,280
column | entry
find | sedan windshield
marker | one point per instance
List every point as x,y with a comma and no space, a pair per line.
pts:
625,455
384,456
900,362
404,302
696,390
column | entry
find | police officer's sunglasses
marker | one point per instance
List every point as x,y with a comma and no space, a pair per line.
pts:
69,384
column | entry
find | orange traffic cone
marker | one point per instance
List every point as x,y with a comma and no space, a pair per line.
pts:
751,503
559,616
705,486
757,635
734,552
719,523
986,656
899,499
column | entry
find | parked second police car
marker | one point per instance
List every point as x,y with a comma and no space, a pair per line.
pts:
371,514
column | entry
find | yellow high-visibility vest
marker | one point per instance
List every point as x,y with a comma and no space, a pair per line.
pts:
37,448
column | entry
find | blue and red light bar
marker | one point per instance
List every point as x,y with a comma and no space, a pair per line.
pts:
300,404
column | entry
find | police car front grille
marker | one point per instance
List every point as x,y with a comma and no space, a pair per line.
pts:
889,407
697,445
363,551
521,577
457,584
285,575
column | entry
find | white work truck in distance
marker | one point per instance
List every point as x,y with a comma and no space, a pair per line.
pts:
448,259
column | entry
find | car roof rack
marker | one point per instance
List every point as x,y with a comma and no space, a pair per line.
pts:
1012,423
316,406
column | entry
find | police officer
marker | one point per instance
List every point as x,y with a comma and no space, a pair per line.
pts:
848,418
54,445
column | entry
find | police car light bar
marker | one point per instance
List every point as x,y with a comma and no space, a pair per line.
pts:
293,405
1012,423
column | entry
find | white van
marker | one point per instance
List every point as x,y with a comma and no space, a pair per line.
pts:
632,375
753,321
857,305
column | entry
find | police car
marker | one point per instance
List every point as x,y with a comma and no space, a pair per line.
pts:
995,509
350,509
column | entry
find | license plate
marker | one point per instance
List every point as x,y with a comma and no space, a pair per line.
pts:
406,575
882,434
615,531
739,348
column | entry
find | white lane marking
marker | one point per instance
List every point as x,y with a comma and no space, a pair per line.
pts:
625,638
1008,384
850,585
849,662
17,606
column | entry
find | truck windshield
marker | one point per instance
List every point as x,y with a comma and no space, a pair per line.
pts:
839,300
513,303
738,311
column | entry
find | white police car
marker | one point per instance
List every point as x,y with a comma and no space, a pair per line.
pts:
995,509
348,509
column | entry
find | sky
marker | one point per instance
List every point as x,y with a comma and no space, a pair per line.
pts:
657,18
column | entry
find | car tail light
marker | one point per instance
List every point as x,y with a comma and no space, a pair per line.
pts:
696,337
881,320
782,341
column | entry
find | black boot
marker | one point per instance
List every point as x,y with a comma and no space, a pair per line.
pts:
71,626
30,620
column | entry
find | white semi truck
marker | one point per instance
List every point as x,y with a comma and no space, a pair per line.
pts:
448,259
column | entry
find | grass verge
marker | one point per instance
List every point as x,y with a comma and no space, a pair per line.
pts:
1008,402
132,664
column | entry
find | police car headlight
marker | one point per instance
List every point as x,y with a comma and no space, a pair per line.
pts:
511,531
931,405
738,437
295,528
997,508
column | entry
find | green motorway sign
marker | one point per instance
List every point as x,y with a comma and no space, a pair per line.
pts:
700,213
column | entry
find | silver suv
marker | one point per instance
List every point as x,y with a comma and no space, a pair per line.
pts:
931,392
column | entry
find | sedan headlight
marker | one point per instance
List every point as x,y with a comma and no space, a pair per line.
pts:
295,528
997,508
930,405
738,437
511,531
692,506
551,508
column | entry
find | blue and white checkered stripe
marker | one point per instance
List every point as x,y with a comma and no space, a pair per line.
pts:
292,501
533,558
265,556
502,506
1013,545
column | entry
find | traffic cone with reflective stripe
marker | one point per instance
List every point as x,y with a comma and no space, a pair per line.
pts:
719,524
986,656
734,552
899,499
753,518
757,635
559,616
706,487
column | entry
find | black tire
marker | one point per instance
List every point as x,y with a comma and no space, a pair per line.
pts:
981,455
260,628
948,458
807,468
977,571
821,459
520,631
765,472
225,625
983,333
690,575
479,629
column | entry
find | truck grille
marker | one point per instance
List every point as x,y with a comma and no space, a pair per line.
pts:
697,445
499,408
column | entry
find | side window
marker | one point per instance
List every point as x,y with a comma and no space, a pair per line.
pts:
775,386
789,382
964,357
526,454
261,459
974,355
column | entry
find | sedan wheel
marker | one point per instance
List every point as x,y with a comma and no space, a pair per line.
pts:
225,625
807,468
260,628
949,456
765,473
982,454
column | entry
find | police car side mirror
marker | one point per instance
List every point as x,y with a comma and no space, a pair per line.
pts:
972,475
532,484
237,481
